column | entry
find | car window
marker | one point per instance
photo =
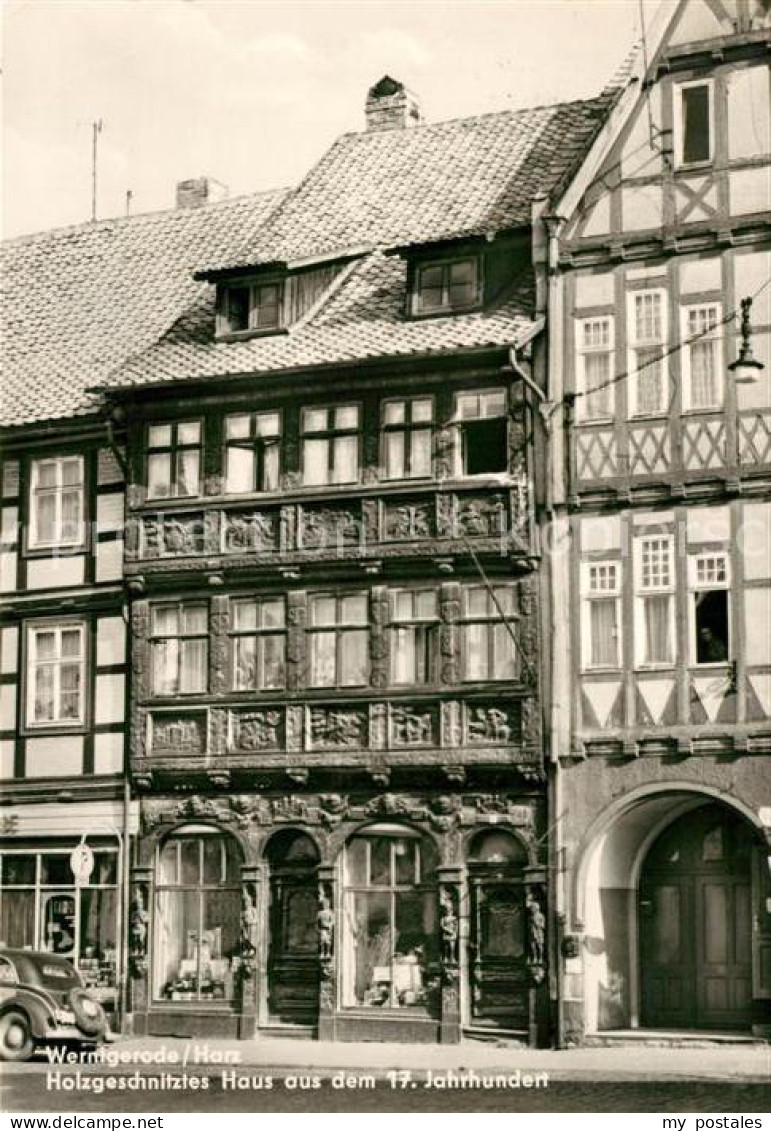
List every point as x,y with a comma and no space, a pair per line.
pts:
58,977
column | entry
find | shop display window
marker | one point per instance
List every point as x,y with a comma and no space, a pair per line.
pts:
42,909
197,909
391,920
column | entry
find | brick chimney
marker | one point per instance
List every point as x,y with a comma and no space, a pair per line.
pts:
390,106
199,190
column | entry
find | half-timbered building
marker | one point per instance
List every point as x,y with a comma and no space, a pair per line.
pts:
660,578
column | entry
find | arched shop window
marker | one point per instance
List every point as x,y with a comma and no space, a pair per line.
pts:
390,920
197,909
42,909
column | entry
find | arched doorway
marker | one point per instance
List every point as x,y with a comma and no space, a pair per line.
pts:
293,948
497,935
695,923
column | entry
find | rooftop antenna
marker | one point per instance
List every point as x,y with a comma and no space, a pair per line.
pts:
96,129
129,198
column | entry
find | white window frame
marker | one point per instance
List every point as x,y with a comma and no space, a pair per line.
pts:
56,490
224,329
679,132
490,620
331,433
415,622
408,427
174,450
582,352
589,594
635,345
460,421
642,591
32,662
705,585
716,336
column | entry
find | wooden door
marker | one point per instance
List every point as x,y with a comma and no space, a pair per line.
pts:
497,944
695,924
293,952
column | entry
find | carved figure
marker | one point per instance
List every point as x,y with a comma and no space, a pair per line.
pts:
248,925
326,925
448,924
138,920
536,932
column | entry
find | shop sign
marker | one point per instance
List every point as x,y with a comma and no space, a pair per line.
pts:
81,863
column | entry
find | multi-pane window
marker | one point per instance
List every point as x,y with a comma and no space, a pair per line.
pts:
709,582
602,593
390,924
330,445
56,670
252,452
703,384
413,636
595,366
339,640
655,628
197,916
407,435
256,307
56,502
482,426
693,124
647,337
259,644
488,640
441,287
174,459
180,649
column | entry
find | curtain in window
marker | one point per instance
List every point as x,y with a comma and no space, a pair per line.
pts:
323,659
239,476
394,453
649,376
188,467
194,661
17,919
315,462
597,373
703,376
504,653
476,651
603,633
658,633
346,459
354,667
165,666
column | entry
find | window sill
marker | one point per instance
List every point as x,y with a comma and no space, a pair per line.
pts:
444,312
68,550
663,667
245,335
52,730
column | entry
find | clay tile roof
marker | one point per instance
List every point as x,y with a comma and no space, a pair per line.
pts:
469,176
78,301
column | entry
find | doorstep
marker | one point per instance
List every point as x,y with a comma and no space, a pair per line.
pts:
669,1038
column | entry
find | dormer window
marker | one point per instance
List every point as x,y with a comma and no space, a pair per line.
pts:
447,286
254,308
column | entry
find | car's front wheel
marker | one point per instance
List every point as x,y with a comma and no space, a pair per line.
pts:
16,1040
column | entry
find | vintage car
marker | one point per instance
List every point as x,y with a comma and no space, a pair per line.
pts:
42,999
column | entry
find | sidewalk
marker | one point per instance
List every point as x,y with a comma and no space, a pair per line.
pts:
736,1063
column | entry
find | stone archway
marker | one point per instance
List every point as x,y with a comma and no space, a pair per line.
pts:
607,897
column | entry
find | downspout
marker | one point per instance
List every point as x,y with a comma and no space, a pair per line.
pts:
559,681
124,911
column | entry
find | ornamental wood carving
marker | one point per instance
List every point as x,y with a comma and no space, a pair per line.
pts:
219,650
296,654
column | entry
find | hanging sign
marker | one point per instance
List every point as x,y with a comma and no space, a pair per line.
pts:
81,863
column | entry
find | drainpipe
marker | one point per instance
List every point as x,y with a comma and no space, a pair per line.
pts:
559,676
124,899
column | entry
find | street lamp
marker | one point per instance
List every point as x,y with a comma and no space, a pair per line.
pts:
746,365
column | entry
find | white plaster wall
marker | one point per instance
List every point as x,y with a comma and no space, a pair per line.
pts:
697,275
6,761
755,540
109,699
748,191
55,573
757,626
110,641
8,706
594,289
8,572
109,561
749,128
751,270
108,753
10,526
60,756
9,650
109,512
601,534
641,207
709,524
